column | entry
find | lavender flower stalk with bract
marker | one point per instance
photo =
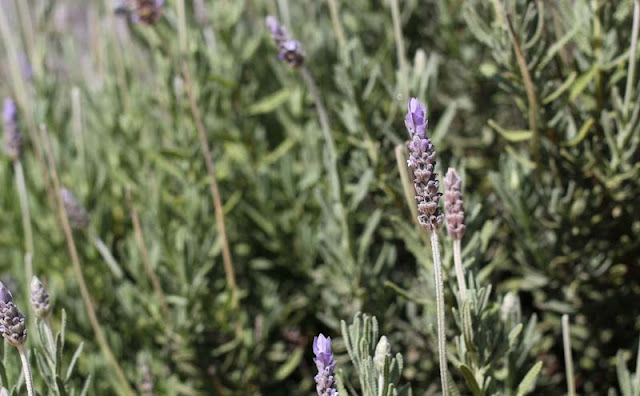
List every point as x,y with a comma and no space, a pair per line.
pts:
289,50
455,223
422,164
326,364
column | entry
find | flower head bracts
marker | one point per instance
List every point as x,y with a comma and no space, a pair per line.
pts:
40,298
147,11
325,379
453,204
78,216
422,163
12,321
12,138
289,50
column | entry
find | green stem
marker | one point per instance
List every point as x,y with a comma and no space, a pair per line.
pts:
26,219
442,331
332,166
146,260
106,254
530,90
632,58
28,379
402,59
337,27
568,359
457,261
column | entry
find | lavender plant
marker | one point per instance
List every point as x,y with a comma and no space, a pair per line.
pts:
377,370
313,214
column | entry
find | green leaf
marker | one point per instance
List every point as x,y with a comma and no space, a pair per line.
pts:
624,378
270,103
582,133
514,333
529,381
291,364
471,381
582,82
512,135
74,359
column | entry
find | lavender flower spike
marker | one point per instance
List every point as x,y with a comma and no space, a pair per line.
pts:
78,217
147,11
325,380
422,163
40,298
12,138
12,321
453,204
289,50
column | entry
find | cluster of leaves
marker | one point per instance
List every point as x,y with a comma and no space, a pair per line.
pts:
532,105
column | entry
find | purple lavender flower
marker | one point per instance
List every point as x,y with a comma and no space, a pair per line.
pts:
147,11
289,50
453,204
325,381
12,321
422,163
12,138
77,214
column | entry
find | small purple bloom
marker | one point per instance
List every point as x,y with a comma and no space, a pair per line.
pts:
416,121
289,50
325,379
12,137
76,213
147,11
422,161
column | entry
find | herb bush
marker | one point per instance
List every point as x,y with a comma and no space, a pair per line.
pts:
205,189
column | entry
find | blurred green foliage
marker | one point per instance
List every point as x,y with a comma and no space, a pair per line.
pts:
549,160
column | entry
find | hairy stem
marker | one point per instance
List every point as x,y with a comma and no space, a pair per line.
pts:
529,88
402,59
568,359
106,254
332,166
457,261
26,220
146,261
28,379
632,58
442,331
337,27
75,260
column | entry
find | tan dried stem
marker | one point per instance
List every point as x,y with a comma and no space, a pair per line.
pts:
146,261
75,260
529,89
213,184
